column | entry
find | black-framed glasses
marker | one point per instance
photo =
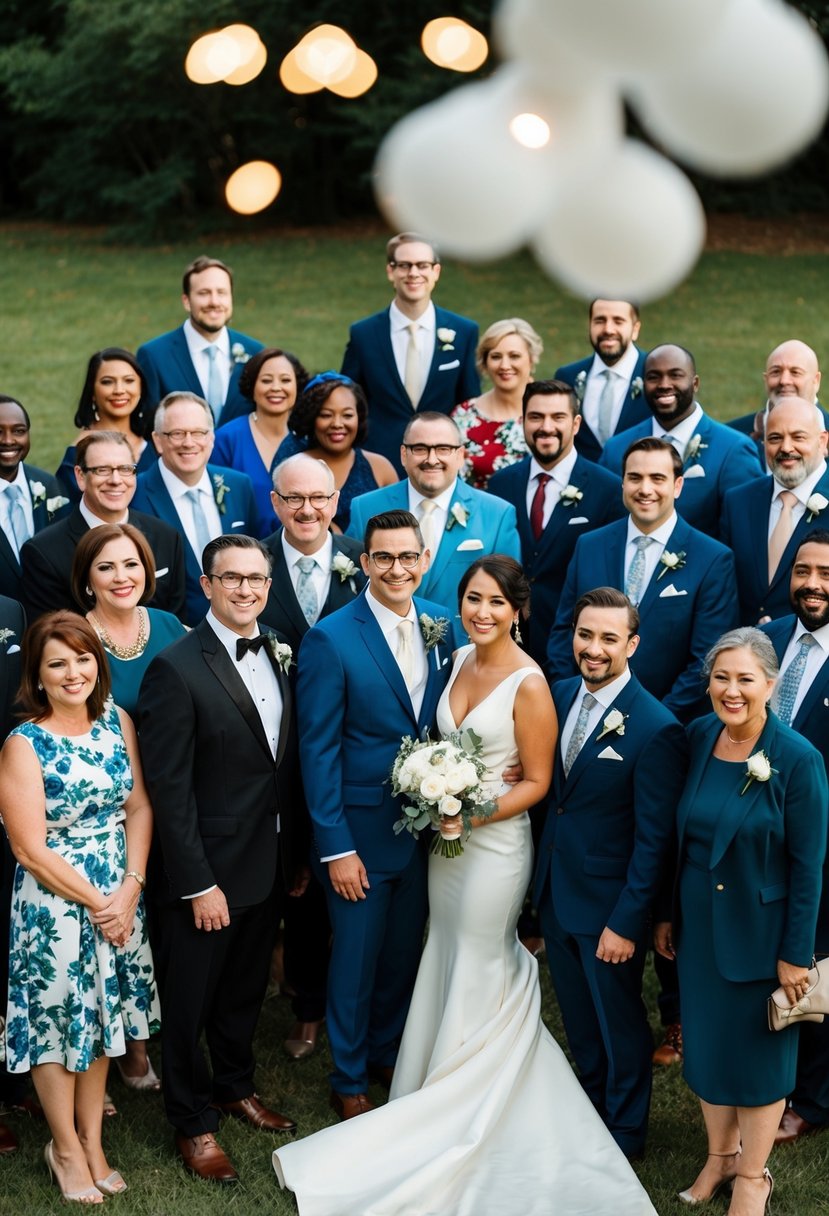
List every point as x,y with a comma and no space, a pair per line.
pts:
407,266
421,451
385,561
230,580
295,502
106,471
179,436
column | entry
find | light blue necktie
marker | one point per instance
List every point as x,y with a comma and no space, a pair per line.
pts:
607,400
215,398
790,680
203,537
579,732
636,573
17,517
305,593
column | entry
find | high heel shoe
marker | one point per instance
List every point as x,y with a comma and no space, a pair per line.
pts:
694,1200
147,1081
767,1175
90,1195
113,1184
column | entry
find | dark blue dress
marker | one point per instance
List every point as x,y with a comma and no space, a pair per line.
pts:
235,448
127,674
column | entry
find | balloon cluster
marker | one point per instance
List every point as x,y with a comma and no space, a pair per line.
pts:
537,154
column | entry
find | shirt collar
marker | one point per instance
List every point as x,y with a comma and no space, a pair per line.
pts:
624,368
94,521
323,556
228,637
197,341
683,431
399,320
443,500
177,488
19,479
386,619
821,635
609,692
560,473
662,534
804,491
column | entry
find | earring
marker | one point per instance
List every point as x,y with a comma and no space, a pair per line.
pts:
39,686
88,591
95,413
517,632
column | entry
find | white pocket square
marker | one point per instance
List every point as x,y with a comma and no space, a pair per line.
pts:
164,570
238,523
16,650
472,543
579,519
447,367
696,470
669,591
609,754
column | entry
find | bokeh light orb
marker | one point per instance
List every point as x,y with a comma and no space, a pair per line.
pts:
253,187
327,54
359,80
530,130
453,44
294,79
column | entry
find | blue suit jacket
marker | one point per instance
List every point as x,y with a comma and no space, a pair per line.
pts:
725,459
745,529
369,359
490,528
634,407
167,366
545,561
353,709
767,853
41,517
610,822
237,513
677,630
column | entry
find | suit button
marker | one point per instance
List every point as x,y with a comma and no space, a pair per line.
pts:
720,887
560,810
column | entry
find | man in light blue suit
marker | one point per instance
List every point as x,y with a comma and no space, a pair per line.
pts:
368,675
411,356
619,770
681,580
459,524
608,384
201,501
715,458
202,356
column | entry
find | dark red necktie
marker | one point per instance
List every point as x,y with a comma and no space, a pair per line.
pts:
537,508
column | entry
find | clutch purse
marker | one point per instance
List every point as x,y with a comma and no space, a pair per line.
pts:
811,1007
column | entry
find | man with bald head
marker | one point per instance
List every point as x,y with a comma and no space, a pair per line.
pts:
715,458
792,370
765,521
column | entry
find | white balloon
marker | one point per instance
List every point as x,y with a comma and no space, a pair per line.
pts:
633,232
750,101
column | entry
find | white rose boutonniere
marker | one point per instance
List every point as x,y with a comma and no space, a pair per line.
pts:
670,561
692,451
614,723
38,490
55,504
344,567
578,385
815,503
446,338
282,652
221,492
570,495
433,629
6,635
636,387
758,768
238,353
458,514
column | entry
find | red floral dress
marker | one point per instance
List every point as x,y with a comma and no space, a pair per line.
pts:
490,445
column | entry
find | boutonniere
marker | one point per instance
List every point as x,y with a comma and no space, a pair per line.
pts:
758,768
221,492
446,338
458,514
344,566
636,387
54,505
38,491
433,629
570,495
670,561
238,353
815,503
692,451
613,723
578,385
281,652
6,635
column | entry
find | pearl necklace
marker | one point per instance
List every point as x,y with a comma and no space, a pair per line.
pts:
123,652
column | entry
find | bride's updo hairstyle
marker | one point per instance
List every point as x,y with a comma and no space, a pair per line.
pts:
508,574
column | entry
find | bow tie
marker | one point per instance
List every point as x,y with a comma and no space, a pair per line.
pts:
243,645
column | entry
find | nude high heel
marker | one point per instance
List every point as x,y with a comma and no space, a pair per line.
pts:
767,1175
694,1200
90,1195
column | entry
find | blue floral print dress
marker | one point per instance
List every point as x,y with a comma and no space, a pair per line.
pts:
73,996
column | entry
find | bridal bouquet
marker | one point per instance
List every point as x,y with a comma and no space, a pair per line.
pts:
441,780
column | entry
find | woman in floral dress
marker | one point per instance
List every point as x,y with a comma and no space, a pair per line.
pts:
79,822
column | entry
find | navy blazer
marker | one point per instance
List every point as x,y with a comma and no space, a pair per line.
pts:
237,511
724,459
12,625
168,368
46,491
282,611
610,821
683,612
634,407
546,560
369,359
745,529
767,852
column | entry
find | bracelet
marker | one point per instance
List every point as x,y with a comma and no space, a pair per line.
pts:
139,878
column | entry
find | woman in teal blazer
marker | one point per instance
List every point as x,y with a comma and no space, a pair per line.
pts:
751,827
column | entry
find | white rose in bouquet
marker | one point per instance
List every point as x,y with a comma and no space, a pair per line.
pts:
433,787
450,805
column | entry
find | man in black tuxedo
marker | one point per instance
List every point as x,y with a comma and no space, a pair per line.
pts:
105,473
219,748
12,624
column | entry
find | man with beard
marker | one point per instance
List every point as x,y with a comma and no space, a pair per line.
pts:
557,495
791,371
608,384
766,520
715,458
801,700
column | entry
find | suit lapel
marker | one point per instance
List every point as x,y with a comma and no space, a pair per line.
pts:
758,534
656,586
454,535
738,804
180,356
283,590
7,555
164,508
340,590
220,664
40,517
699,759
783,571
383,350
593,745
287,697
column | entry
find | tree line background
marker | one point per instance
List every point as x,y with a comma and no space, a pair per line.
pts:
98,123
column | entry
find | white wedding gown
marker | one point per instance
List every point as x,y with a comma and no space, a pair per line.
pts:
485,1115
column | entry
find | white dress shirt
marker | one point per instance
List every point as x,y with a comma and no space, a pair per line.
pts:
683,432
321,573
440,514
93,521
25,501
802,493
198,347
177,489
596,380
425,338
653,552
604,699
817,656
559,475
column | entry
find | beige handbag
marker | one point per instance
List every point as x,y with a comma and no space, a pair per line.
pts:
811,1007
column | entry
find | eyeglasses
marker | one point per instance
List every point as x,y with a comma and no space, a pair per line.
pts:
421,451
105,471
181,436
407,266
385,561
230,581
295,502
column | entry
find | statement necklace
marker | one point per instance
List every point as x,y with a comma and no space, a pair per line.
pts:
123,652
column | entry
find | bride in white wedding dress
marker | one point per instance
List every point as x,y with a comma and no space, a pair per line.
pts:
485,1116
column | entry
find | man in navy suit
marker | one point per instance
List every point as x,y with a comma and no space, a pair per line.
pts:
801,700
367,676
792,370
202,356
681,581
715,458
202,501
30,498
557,496
619,770
765,521
608,384
411,356
459,524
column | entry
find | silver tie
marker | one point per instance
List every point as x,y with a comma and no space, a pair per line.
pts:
305,593
579,731
17,517
606,403
634,583
790,680
427,524
203,537
214,382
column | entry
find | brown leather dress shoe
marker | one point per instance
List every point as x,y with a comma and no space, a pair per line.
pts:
251,1110
670,1050
381,1074
205,1158
348,1106
792,1127
302,1040
8,1140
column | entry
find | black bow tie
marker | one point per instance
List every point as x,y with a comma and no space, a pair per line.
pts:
243,645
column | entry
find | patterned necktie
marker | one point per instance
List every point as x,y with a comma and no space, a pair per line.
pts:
427,524
215,398
606,404
405,653
305,592
783,529
636,573
17,517
579,732
203,537
537,508
411,375
789,684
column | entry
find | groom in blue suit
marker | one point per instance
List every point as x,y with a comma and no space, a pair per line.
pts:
619,771
368,675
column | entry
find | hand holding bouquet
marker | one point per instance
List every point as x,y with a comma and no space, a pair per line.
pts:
440,782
